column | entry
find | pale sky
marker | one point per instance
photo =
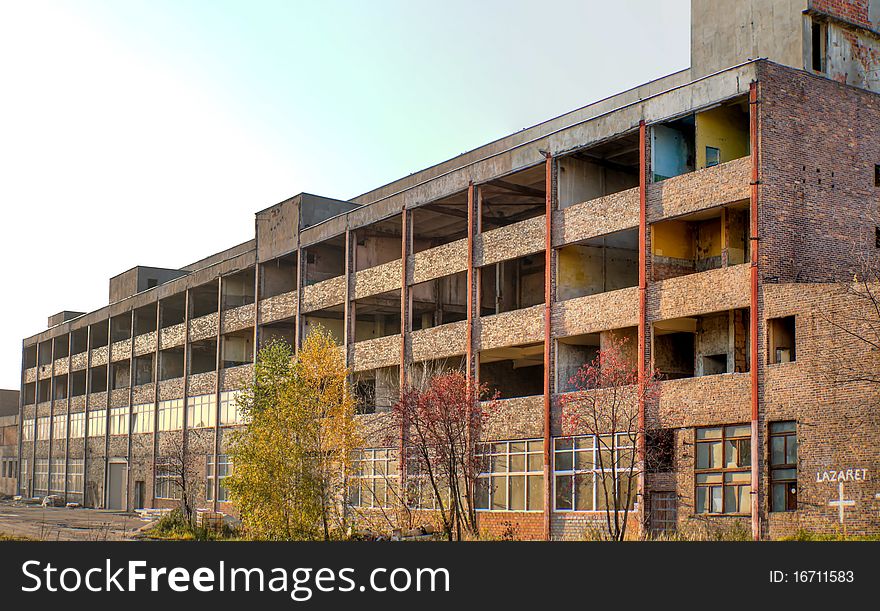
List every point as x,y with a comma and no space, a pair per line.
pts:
150,132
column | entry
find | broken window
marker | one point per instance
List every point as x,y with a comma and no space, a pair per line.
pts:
30,393
203,300
722,474
279,331
376,390
781,339
238,348
512,199
119,374
172,311
44,390
783,466
98,335
238,289
143,368
78,383
324,260
330,319
702,345
171,363
515,371
706,240
278,276
120,327
877,174
45,352
440,301
377,316
59,384
98,379
606,263
145,319
203,356
62,346
818,45
600,170
512,284
29,358
377,243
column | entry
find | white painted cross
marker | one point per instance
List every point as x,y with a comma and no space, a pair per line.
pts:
841,503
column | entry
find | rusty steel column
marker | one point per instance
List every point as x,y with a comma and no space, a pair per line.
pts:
404,331
548,293
643,325
753,307
469,336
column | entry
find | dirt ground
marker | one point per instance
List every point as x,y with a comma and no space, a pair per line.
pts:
61,524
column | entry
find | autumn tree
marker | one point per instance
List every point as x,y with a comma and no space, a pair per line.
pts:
180,467
290,458
605,406
442,420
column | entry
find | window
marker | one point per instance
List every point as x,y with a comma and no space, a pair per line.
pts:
419,492
713,156
819,42
27,429
723,475
75,476
224,469
877,174
781,339
171,415
77,425
201,411
583,483
142,418
166,482
373,477
877,237
59,426
512,477
44,424
41,476
783,466
97,423
56,479
229,410
119,421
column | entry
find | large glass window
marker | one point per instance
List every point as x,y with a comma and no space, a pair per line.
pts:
27,429
201,411
59,426
171,415
783,466
229,412
43,427
77,425
166,482
41,476
722,475
97,423
512,476
119,421
373,477
142,418
75,476
588,471
56,479
223,469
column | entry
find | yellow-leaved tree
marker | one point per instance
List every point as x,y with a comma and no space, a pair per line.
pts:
289,459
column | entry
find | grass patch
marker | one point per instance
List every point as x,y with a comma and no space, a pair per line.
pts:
806,535
7,537
174,526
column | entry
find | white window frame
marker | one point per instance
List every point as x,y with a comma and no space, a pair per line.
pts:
368,467
77,427
170,415
59,426
201,409
56,476
119,421
142,418
493,454
44,427
622,442
41,476
97,423
224,465
74,475
230,414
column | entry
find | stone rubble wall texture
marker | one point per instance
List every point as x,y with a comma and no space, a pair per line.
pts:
203,327
172,336
323,294
376,280
278,307
238,318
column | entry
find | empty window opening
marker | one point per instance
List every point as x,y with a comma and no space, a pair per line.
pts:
422,372
78,383
99,335
598,265
278,276
376,390
706,240
120,327
516,371
576,351
440,301
781,339
203,356
702,345
172,311
152,283
512,199
440,222
30,393
45,352
59,387
324,260
98,379
120,375
79,340
378,243
62,346
600,170
377,316
818,46
171,363
143,369
877,175
279,331
512,284
44,390
145,319
672,148
238,348
329,319
29,358
203,300
238,289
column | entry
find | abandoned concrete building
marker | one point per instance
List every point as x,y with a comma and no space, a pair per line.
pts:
9,412
710,216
